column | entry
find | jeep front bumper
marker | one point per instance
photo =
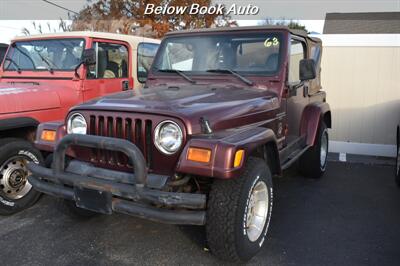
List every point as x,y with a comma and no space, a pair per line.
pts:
104,191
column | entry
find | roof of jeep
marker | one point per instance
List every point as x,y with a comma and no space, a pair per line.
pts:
100,35
301,33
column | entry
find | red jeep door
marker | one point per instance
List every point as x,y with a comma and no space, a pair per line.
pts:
111,72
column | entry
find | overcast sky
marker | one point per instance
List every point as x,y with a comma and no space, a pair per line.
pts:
18,14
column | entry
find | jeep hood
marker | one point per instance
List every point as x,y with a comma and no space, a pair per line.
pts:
16,98
224,107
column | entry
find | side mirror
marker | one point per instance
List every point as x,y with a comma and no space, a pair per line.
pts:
89,57
307,69
142,74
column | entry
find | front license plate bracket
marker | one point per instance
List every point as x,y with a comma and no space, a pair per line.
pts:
93,200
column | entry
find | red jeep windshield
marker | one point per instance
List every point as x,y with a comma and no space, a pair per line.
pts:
44,55
244,53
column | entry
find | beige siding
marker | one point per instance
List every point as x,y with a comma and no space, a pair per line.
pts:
363,88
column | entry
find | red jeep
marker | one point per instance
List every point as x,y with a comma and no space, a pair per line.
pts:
42,77
223,110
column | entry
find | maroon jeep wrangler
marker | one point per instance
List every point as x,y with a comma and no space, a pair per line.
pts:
223,111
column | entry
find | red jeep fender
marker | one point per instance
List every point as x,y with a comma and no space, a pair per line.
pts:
223,152
312,114
17,122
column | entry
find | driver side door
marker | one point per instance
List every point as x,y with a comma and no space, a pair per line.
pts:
111,73
297,99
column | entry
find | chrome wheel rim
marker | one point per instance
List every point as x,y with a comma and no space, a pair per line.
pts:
257,211
324,149
14,178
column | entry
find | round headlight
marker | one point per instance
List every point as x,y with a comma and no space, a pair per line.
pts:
76,124
168,137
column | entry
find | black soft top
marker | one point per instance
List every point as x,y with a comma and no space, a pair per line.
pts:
300,33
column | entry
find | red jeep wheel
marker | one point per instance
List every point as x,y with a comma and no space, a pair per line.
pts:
16,193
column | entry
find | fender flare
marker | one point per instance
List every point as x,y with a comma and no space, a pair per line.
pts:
311,116
223,151
18,122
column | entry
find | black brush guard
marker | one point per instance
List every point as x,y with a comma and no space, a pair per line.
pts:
105,191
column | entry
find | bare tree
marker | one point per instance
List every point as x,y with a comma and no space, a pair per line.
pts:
292,24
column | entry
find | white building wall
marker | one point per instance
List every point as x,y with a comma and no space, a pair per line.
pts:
361,75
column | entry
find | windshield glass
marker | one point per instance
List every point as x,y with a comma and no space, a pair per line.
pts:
38,55
244,53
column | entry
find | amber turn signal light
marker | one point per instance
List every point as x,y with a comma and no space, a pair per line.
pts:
199,155
48,135
238,158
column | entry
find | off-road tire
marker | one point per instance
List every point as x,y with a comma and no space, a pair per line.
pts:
227,213
69,208
10,147
397,170
310,162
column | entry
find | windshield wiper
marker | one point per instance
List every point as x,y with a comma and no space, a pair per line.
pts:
14,63
230,71
22,52
49,67
179,72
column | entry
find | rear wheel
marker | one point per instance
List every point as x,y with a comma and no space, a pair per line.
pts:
398,158
16,193
239,212
313,162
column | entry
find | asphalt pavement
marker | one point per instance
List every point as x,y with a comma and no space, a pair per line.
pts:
349,217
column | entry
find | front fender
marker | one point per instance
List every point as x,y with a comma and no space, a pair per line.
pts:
223,151
18,122
58,127
312,115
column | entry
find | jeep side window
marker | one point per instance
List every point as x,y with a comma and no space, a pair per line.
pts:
145,57
297,53
112,61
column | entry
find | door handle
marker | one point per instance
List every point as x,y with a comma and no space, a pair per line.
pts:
125,85
305,90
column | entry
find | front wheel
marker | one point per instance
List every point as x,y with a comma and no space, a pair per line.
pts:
239,212
16,193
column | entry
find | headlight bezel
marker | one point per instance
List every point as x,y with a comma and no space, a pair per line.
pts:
71,118
157,136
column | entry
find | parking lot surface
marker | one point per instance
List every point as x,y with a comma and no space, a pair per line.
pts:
349,217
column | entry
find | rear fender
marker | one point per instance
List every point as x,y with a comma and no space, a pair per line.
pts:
223,152
312,115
